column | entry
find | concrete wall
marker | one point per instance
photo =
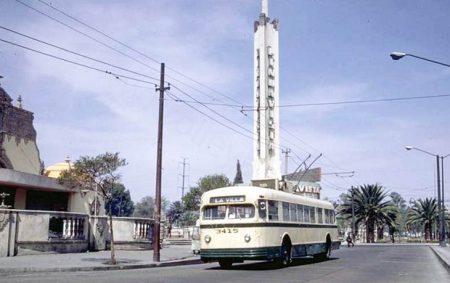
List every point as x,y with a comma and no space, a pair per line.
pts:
28,232
33,226
23,154
83,202
7,232
129,233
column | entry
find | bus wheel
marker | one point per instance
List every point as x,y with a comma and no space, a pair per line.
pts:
225,263
325,255
285,258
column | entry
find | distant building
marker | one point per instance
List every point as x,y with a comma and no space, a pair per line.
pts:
305,183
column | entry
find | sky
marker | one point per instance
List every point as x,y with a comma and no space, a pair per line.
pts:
330,52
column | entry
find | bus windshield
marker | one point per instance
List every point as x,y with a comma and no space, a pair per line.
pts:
214,212
241,211
217,212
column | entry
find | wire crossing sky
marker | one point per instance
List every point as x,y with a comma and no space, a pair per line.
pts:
340,92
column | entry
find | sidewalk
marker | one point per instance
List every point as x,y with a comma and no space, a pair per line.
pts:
169,256
443,254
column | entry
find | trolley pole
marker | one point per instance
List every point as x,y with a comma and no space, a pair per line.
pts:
157,224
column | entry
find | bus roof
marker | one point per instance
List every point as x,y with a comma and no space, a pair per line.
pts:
258,193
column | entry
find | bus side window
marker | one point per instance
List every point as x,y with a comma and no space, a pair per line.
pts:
285,211
293,212
306,213
273,210
300,213
312,213
320,215
262,208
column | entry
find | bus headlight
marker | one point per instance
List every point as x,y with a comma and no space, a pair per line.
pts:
247,238
207,239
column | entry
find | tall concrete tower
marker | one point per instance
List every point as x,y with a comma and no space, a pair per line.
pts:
266,153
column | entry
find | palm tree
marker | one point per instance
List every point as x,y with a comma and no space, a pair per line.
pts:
424,213
372,208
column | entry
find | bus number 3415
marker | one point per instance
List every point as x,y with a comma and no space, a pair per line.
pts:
227,230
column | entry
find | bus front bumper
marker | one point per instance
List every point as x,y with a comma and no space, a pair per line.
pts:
265,253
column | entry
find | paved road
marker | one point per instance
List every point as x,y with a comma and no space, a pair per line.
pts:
360,264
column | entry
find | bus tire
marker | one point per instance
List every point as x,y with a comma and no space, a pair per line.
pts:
285,253
325,255
225,263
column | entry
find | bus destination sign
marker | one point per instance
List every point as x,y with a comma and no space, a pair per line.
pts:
227,199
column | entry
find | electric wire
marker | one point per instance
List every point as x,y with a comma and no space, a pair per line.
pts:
364,101
76,63
76,53
209,116
179,100
88,36
212,110
129,47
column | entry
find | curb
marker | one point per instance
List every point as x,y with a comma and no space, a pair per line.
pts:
100,268
444,263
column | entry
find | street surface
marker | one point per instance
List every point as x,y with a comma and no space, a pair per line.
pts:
359,264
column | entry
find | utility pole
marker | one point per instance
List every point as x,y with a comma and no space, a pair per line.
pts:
353,214
443,199
183,176
286,158
157,225
440,208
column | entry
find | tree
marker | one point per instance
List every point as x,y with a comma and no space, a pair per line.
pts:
423,212
191,201
120,201
371,208
211,182
145,208
174,212
400,222
99,174
238,178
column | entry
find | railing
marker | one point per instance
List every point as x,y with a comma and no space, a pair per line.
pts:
67,227
142,230
22,231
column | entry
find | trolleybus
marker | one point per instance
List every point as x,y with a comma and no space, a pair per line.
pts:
251,223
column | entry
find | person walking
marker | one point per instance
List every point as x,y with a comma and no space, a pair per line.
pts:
350,240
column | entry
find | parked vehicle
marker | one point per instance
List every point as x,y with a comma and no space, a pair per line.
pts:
195,244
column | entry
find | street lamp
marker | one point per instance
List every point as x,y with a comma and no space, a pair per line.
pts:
400,55
440,202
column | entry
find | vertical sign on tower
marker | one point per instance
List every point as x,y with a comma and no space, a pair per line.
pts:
266,154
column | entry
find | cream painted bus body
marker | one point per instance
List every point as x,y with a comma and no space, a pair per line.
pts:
268,222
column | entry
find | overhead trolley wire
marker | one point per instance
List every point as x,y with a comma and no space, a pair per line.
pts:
78,54
88,36
212,110
76,63
207,115
136,51
142,54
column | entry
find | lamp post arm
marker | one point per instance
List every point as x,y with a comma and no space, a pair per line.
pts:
429,60
424,151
